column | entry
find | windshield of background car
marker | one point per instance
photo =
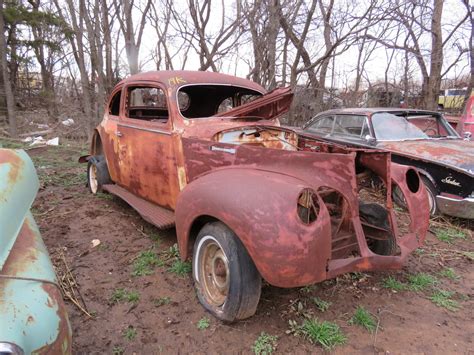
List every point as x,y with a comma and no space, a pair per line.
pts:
204,101
388,126
348,126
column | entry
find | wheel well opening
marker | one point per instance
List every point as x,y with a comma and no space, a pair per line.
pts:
195,228
97,148
413,180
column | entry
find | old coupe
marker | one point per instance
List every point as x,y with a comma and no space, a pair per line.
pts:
205,152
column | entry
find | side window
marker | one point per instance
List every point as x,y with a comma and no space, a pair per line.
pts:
147,103
114,105
348,125
323,125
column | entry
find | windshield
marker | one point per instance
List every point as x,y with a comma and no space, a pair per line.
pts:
407,126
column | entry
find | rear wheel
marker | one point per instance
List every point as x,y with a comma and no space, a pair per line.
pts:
227,282
97,173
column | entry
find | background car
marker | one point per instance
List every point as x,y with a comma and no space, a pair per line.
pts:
33,316
422,139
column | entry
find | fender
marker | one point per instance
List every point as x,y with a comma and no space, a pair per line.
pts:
18,187
261,208
32,312
408,180
94,147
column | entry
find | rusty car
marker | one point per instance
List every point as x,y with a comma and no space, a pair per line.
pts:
205,152
33,317
418,138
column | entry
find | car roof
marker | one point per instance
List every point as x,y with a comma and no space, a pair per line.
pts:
174,78
371,110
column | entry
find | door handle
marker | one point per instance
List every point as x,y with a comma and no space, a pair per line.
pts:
118,134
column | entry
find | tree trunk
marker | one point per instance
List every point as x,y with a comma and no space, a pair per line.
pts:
6,78
436,62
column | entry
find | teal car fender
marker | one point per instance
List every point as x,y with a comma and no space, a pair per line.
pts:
33,317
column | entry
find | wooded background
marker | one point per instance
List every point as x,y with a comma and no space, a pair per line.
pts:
65,56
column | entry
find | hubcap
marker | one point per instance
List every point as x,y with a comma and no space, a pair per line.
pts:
214,273
93,178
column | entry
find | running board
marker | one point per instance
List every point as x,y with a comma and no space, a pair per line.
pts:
154,214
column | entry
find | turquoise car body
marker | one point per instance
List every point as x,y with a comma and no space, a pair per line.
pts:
33,317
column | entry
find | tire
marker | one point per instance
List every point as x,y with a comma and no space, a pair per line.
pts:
227,282
432,193
97,173
377,215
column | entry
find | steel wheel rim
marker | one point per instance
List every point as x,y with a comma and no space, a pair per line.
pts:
93,178
214,272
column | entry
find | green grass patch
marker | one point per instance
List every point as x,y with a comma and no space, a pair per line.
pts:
325,333
265,344
104,196
203,323
421,281
180,268
449,235
308,289
122,295
449,273
171,253
145,263
393,284
320,304
363,318
161,301
130,333
442,298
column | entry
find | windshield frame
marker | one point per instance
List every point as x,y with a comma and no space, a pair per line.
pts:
203,118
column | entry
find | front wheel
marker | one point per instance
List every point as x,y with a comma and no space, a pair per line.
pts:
227,282
432,193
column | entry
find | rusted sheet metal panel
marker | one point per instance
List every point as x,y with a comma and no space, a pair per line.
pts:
260,207
273,104
32,312
457,154
159,216
18,187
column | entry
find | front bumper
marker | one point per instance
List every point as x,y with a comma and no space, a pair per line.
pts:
457,208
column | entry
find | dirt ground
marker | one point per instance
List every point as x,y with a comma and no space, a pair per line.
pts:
163,313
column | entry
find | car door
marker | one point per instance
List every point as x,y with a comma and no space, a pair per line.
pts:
146,161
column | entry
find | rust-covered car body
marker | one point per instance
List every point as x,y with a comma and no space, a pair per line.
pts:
218,153
33,316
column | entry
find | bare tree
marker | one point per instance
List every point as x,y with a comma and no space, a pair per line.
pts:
6,78
210,42
261,17
132,35
419,19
